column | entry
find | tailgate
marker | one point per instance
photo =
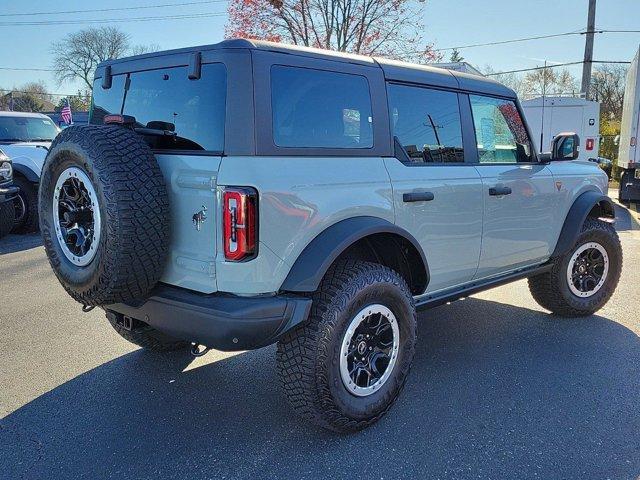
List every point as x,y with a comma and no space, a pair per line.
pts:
191,184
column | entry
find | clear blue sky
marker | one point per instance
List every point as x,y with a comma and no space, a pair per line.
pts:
446,22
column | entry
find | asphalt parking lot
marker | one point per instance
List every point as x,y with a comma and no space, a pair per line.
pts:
499,389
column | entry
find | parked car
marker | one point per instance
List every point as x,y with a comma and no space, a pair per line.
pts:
79,118
25,138
248,193
8,192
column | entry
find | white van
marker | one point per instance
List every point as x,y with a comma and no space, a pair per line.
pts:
564,114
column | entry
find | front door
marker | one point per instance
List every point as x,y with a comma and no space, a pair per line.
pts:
437,196
519,194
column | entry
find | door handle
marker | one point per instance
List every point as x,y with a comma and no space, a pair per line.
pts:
417,197
496,191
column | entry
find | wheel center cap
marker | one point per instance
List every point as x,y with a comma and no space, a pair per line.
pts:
582,269
362,347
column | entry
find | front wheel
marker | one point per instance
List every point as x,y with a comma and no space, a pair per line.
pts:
344,367
582,281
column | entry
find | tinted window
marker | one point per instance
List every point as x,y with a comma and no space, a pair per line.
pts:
167,100
315,108
106,102
27,129
500,132
427,123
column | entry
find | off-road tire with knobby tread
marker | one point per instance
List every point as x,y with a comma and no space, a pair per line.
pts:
308,357
551,290
134,210
7,217
146,336
29,196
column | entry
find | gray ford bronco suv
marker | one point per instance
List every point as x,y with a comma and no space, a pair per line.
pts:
246,193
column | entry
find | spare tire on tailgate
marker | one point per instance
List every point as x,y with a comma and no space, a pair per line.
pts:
104,214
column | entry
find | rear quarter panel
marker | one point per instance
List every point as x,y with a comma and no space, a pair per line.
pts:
299,197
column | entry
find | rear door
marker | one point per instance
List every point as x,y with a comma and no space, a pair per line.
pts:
194,110
519,194
437,193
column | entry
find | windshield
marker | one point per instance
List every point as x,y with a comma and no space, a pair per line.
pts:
27,129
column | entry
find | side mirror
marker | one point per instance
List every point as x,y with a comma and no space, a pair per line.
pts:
565,146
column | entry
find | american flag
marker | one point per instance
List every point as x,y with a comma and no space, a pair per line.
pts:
65,114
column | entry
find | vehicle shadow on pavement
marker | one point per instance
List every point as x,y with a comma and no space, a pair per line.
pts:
496,391
18,243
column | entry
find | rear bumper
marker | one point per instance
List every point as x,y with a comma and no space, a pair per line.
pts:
219,321
8,193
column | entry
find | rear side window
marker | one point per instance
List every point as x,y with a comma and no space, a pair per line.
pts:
500,132
317,108
107,102
167,100
427,123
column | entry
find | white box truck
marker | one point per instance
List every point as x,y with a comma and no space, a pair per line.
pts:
564,114
628,150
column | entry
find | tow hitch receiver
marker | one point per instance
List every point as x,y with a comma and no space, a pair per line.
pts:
125,322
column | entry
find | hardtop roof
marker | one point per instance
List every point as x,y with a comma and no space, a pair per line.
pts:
393,70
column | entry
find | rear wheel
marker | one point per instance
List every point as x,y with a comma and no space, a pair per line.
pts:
583,280
344,368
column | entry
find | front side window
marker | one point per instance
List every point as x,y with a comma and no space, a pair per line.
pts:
501,135
427,123
166,99
317,108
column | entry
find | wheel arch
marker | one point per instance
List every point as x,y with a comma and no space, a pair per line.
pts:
368,238
590,204
26,172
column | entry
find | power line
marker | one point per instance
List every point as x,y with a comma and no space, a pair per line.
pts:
27,69
537,37
96,10
111,20
515,40
553,66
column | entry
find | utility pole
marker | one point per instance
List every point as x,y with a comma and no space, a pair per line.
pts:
588,49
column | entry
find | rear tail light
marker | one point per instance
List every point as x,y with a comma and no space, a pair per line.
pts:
240,223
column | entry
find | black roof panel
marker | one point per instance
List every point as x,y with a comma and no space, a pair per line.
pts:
393,70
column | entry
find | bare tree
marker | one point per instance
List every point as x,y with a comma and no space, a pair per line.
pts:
370,27
511,80
30,97
550,81
78,54
607,87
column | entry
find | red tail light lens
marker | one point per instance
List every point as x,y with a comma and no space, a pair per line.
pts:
240,223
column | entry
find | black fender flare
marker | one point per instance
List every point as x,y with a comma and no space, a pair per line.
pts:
26,172
576,216
316,258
